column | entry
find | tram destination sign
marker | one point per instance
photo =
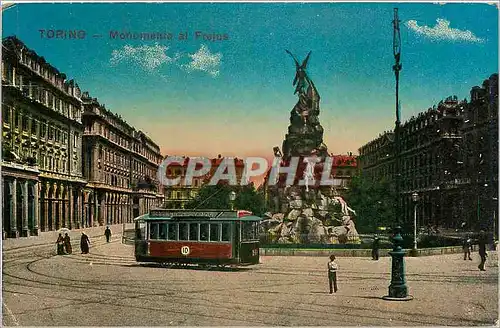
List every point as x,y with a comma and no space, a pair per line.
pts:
188,214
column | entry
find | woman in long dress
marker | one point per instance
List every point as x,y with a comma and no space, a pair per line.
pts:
84,243
60,245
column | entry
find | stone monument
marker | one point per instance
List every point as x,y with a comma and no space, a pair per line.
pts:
307,213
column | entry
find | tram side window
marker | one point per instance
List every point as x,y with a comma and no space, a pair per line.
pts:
163,230
226,232
193,231
172,231
183,231
153,231
204,231
214,232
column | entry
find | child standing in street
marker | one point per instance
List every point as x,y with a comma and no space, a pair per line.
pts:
332,273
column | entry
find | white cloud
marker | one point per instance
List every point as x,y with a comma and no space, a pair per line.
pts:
204,60
147,57
443,31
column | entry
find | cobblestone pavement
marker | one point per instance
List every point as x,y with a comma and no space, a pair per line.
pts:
107,287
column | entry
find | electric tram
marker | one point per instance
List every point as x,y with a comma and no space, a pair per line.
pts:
203,237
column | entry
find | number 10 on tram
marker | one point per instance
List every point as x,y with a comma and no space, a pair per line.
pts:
207,237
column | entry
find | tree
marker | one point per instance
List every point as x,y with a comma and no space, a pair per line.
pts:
373,201
217,197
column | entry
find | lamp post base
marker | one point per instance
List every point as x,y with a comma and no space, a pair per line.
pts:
398,291
389,298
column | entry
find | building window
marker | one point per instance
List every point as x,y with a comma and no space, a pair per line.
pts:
16,119
41,162
25,123
34,127
51,133
43,96
18,80
8,73
50,98
6,115
43,130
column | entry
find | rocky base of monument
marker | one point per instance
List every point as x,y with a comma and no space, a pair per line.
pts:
314,219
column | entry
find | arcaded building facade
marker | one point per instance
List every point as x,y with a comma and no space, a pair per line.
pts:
120,164
449,157
66,160
41,145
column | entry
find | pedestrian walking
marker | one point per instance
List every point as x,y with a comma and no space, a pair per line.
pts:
84,243
67,244
482,251
60,245
467,245
107,233
375,248
332,274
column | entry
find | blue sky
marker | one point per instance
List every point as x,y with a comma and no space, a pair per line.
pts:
234,96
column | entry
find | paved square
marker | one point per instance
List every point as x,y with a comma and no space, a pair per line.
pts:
107,287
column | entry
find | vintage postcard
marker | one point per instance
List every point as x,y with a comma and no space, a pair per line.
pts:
249,164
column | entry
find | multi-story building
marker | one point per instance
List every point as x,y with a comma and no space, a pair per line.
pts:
344,167
480,145
56,174
178,195
448,157
120,164
41,144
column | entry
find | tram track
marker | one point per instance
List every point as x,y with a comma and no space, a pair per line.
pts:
211,302
73,284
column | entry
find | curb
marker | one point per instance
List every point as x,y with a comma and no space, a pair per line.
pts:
359,252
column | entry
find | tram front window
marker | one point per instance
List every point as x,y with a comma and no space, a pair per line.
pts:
140,229
248,231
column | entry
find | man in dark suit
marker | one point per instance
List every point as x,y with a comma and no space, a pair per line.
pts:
482,250
375,248
107,233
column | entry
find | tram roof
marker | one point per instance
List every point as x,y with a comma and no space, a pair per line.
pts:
219,215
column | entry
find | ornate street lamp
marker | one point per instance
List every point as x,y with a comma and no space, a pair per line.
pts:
398,291
415,198
232,198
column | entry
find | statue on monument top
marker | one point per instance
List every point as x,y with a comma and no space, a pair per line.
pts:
305,133
301,75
